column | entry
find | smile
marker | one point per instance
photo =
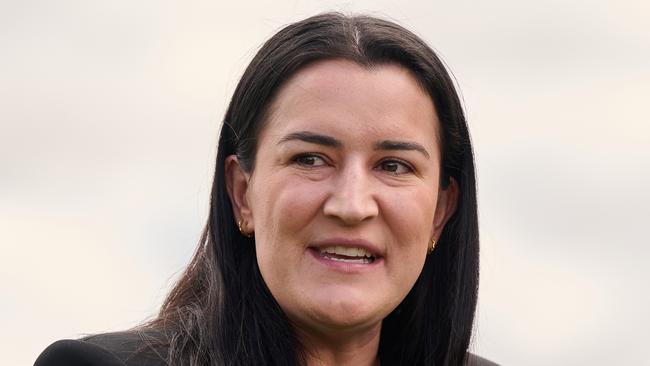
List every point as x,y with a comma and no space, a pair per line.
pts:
347,254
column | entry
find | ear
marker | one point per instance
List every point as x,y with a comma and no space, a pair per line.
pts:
237,185
446,207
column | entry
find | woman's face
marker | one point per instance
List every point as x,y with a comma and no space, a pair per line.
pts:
344,197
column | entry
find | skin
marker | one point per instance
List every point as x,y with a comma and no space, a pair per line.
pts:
346,183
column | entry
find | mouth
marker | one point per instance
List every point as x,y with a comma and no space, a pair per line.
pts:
347,254
346,251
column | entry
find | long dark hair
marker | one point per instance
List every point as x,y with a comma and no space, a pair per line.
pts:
221,312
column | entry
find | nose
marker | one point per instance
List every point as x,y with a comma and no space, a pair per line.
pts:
352,198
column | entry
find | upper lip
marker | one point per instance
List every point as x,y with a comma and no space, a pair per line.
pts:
351,243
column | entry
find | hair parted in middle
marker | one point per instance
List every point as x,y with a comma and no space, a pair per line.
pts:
221,312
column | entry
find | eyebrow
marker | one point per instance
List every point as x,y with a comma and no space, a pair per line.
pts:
325,140
401,145
313,138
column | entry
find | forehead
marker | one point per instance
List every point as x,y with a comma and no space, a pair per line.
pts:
349,100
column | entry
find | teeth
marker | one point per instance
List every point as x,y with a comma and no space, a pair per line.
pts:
347,251
364,260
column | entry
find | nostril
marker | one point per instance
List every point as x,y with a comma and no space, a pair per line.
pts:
351,209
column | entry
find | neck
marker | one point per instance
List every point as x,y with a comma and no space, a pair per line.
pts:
358,349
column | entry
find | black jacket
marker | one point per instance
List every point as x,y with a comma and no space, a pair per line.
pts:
127,349
109,349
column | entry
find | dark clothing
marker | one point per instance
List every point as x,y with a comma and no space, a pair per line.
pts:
127,349
110,349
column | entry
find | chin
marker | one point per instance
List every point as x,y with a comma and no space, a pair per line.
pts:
348,312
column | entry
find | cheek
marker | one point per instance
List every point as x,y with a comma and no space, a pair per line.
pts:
410,214
409,218
284,209
283,213
286,205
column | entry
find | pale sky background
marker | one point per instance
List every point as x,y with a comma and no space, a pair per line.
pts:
109,112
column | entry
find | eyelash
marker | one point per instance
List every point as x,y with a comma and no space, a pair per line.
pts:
299,159
404,164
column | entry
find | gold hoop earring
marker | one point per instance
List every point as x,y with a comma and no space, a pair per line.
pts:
240,224
432,247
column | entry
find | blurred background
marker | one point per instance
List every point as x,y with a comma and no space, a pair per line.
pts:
109,112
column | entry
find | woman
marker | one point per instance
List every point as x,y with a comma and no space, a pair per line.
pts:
343,223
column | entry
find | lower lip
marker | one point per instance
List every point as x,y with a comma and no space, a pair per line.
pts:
346,267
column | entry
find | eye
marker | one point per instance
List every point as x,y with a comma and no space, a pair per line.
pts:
395,167
309,160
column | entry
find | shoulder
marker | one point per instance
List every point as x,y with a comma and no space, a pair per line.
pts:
132,348
474,360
